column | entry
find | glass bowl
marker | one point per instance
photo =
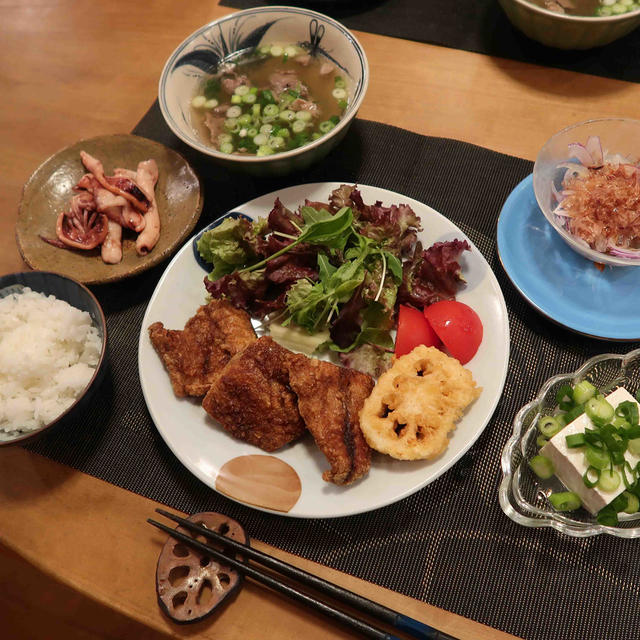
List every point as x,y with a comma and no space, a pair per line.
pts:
618,136
523,496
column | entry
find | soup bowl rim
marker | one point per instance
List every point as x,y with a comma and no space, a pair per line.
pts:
344,122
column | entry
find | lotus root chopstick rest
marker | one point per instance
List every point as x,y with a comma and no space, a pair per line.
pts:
191,585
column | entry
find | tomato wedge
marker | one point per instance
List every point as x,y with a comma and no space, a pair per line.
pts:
458,326
413,330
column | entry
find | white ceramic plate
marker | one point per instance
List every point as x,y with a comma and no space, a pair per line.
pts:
203,447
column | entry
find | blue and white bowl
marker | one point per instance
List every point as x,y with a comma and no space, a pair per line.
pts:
200,53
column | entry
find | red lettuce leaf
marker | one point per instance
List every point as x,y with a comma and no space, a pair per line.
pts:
433,274
291,267
281,219
348,324
249,291
395,226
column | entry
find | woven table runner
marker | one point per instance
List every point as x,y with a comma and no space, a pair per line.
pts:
480,26
449,544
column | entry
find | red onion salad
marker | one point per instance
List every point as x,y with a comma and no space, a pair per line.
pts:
598,201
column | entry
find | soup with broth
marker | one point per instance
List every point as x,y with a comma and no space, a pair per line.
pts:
271,99
589,8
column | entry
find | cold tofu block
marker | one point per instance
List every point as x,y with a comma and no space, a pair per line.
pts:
570,465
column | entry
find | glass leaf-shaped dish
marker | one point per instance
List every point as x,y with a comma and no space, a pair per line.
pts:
524,496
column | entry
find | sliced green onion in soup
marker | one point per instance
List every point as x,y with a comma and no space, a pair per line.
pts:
276,142
326,126
287,115
298,126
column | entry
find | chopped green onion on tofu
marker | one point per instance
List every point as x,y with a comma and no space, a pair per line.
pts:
542,467
565,501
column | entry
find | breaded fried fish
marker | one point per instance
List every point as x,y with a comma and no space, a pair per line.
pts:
252,400
329,400
195,355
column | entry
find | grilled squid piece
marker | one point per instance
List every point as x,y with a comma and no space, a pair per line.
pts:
131,218
118,184
147,176
111,249
116,207
82,229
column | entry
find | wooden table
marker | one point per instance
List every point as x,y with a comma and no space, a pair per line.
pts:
77,560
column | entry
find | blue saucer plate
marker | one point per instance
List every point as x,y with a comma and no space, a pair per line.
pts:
558,282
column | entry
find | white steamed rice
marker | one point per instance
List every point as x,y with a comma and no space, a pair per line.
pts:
48,354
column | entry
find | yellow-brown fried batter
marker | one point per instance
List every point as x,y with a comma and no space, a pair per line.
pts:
330,399
195,355
252,400
416,404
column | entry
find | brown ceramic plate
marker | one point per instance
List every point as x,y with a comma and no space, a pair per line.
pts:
48,192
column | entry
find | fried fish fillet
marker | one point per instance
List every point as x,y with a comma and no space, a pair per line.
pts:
195,355
329,400
251,397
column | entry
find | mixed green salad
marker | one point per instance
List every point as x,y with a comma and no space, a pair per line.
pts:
336,270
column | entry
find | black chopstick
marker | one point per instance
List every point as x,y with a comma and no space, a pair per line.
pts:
412,627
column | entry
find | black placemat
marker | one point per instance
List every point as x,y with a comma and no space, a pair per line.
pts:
473,25
450,544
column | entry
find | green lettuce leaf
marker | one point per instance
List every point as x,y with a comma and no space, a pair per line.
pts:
228,246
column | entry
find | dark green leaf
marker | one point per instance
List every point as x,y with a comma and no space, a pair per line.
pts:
324,230
311,215
394,265
325,268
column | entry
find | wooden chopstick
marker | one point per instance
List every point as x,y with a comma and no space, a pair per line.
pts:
412,627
